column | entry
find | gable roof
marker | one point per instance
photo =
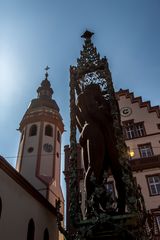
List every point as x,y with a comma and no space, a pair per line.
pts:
19,179
128,94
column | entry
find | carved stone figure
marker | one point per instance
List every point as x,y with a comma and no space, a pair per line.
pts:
95,123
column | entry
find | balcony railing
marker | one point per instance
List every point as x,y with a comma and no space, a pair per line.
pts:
145,163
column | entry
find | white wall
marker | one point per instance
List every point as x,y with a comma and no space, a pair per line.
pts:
18,207
29,160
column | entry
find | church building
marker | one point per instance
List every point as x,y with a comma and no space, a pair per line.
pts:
28,194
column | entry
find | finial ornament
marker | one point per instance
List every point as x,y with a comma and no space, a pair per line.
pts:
87,34
46,68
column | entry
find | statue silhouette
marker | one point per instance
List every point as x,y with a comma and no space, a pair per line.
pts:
95,123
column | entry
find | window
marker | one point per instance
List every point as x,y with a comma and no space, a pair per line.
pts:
129,130
33,130
31,230
133,130
154,184
30,149
46,234
49,131
145,150
140,131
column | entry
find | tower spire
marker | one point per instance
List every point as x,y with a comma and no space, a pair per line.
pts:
89,55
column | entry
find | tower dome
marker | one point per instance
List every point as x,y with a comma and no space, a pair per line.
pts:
45,91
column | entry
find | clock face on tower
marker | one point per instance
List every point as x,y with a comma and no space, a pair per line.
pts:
125,111
47,147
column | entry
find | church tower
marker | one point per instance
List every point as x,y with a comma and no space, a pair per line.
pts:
39,156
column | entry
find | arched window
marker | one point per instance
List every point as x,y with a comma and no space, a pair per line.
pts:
46,234
33,130
49,131
31,230
0,207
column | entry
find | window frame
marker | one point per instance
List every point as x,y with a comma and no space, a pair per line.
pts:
137,129
31,230
46,234
33,130
128,124
149,147
148,183
156,225
141,129
48,131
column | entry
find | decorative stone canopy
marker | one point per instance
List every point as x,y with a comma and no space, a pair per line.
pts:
89,55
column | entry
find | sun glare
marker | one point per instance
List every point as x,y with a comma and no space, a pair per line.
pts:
8,76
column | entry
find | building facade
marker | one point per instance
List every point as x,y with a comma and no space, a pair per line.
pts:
28,194
141,129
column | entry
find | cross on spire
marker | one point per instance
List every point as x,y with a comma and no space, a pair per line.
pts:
46,69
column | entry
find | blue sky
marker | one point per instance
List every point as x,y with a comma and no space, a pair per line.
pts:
36,33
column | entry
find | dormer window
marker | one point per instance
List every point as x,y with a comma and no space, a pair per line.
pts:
33,130
49,131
